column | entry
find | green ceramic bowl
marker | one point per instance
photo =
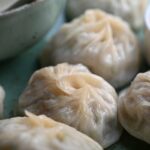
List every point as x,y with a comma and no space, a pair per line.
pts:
22,27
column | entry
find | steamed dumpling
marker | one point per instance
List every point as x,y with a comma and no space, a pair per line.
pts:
2,95
134,107
130,10
72,95
105,44
42,133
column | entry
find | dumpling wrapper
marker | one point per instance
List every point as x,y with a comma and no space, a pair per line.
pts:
134,107
2,96
42,133
72,95
103,43
131,11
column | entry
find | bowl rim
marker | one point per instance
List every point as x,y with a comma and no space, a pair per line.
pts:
21,8
147,17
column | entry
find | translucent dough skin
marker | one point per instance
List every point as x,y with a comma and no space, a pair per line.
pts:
131,11
72,95
42,133
134,107
2,95
103,43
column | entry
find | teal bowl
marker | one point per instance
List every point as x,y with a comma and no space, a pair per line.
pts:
22,27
